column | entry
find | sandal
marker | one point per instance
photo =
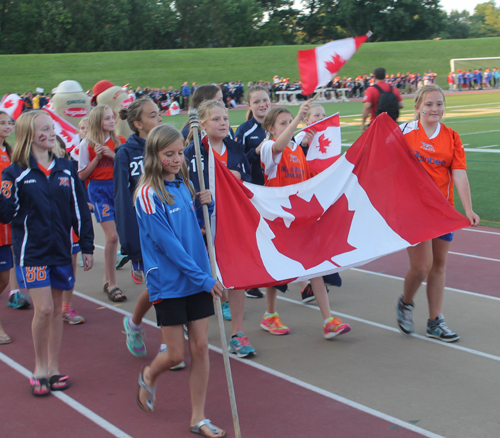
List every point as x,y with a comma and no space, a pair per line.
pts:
62,380
150,402
105,287
5,339
114,295
40,383
218,433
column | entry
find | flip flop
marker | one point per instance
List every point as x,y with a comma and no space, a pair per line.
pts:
34,382
58,379
5,339
219,433
150,402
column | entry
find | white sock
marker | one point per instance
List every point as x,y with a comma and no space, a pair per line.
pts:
131,323
163,347
12,292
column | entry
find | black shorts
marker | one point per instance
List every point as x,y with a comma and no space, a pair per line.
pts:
177,311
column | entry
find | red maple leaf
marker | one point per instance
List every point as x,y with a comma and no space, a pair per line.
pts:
8,104
335,64
315,235
323,143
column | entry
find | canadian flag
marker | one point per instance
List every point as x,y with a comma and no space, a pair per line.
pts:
13,105
326,146
318,66
376,199
174,109
65,130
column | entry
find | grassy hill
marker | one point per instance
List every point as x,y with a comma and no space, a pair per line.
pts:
158,68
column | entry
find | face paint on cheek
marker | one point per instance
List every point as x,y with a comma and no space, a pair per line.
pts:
165,162
42,138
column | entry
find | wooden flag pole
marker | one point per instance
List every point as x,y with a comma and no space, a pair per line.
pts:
194,124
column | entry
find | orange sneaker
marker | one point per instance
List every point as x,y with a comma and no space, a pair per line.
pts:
273,325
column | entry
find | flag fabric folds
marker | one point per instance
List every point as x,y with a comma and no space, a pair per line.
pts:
376,199
318,66
13,105
326,146
65,130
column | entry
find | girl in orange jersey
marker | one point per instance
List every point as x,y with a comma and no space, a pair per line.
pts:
6,260
441,153
284,164
96,161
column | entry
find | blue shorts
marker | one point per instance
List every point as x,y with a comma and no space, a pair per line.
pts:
101,196
57,277
138,265
6,260
76,248
447,237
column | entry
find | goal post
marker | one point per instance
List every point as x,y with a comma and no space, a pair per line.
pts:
474,63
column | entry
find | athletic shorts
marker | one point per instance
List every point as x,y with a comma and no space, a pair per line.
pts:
57,277
76,248
448,237
177,311
138,265
101,196
6,259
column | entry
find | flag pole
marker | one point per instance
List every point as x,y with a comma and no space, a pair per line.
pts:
194,124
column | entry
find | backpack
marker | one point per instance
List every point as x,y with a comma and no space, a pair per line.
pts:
387,103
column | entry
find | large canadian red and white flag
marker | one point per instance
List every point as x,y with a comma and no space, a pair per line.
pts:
376,199
65,130
326,146
13,105
318,66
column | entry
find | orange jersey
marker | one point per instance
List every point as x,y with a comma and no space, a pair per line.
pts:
223,157
104,169
289,167
439,155
5,234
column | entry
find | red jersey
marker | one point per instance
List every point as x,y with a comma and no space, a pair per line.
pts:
372,95
5,234
439,155
289,167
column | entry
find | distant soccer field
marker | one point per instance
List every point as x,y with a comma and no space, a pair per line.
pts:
476,117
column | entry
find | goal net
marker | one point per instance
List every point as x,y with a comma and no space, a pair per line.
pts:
473,63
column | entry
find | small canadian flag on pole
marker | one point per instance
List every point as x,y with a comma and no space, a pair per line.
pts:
318,66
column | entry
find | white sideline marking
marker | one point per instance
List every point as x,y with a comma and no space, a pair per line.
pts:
484,151
482,132
290,379
486,147
480,231
81,409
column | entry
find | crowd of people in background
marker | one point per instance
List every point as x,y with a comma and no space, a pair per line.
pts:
473,79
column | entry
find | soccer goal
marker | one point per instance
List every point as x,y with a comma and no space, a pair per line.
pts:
473,63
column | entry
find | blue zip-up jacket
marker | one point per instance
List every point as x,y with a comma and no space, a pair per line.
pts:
175,258
235,157
129,166
251,134
42,211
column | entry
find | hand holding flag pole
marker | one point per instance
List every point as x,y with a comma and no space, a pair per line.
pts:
194,124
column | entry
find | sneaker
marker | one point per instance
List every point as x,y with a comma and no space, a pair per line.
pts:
405,317
307,294
335,327
253,293
17,301
273,325
186,334
73,317
438,329
121,260
226,311
240,346
179,366
135,343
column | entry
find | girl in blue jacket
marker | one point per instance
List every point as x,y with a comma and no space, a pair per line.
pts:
42,199
177,270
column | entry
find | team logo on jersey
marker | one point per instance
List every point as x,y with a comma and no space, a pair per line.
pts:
427,147
174,210
294,159
4,157
30,181
64,181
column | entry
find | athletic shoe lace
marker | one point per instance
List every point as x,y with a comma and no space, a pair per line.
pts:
275,322
243,341
444,328
72,313
406,314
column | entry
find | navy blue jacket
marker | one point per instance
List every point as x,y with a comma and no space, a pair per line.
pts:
129,166
235,157
42,211
251,134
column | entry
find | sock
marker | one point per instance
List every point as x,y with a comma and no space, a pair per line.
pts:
163,347
132,325
65,307
267,315
327,320
12,292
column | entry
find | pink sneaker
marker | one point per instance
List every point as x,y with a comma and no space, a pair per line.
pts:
273,325
335,327
73,317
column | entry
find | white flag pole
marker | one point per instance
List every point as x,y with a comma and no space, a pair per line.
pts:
194,124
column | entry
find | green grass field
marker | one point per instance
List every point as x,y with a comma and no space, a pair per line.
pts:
476,117
21,73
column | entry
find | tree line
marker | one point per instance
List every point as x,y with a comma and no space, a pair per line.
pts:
63,26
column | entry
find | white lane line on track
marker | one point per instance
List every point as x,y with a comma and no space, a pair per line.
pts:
473,256
480,231
290,379
484,151
81,409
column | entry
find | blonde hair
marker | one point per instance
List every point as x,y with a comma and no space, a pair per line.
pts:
420,96
251,90
25,132
83,119
8,147
204,113
134,112
158,139
271,117
95,134
311,110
